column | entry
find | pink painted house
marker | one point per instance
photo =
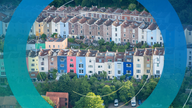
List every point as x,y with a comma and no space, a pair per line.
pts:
71,61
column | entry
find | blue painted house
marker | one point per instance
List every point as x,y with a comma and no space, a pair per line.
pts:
152,34
81,63
128,63
118,64
62,61
64,27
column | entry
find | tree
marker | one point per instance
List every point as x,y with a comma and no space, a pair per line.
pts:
72,74
101,42
49,101
122,77
54,35
54,73
86,3
138,45
145,45
127,91
43,37
41,76
109,98
132,6
94,101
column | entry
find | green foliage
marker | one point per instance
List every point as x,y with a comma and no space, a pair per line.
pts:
5,91
127,91
72,74
145,45
156,45
138,45
48,100
109,98
41,76
54,73
72,40
132,6
54,35
94,101
122,77
43,37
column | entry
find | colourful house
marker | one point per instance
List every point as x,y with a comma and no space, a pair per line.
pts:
52,59
56,43
33,61
118,64
62,61
71,61
128,63
40,44
81,64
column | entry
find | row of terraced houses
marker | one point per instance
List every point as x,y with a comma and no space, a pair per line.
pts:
86,62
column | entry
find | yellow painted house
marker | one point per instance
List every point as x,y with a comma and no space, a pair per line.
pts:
39,26
33,61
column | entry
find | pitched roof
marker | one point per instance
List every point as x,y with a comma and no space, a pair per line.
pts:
152,26
135,24
144,25
100,21
40,19
46,8
85,8
139,52
159,51
33,41
63,52
57,19
119,55
135,12
7,19
110,10
102,9
126,11
91,21
54,52
73,52
93,8
33,53
77,8
74,19
116,23
108,22
91,53
125,24
118,10
66,19
2,16
82,53
43,52
48,19
144,13
148,52
83,20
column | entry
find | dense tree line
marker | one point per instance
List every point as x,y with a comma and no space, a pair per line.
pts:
108,89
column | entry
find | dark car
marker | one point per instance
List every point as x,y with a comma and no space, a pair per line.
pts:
139,102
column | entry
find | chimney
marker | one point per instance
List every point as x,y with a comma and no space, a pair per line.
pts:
116,51
107,51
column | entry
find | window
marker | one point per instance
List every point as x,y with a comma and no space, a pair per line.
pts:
98,28
81,26
99,72
90,33
109,60
81,31
90,66
157,71
98,33
137,59
133,41
89,27
61,65
71,70
99,66
124,35
147,59
138,71
49,46
80,65
47,30
109,66
39,25
119,72
189,63
33,60
72,26
189,33
148,65
42,59
62,59
119,60
128,71
133,35
55,30
64,25
42,63
116,34
39,30
2,64
119,66
89,61
81,71
189,57
124,40
128,65
72,31
151,38
47,25
109,72
138,65
160,38
90,71
100,60
137,76
115,29
133,30
58,46
32,69
32,65
148,71
142,31
157,64
71,65
42,68
71,59
91,15
53,46
151,20
3,73
107,33
61,71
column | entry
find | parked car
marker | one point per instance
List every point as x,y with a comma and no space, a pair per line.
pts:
133,102
139,102
116,103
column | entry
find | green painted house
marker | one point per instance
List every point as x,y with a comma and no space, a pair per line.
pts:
40,44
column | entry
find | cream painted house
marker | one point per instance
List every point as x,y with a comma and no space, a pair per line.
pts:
56,43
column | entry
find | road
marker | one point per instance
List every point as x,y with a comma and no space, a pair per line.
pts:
129,106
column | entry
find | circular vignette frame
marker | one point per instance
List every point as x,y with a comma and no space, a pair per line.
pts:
174,58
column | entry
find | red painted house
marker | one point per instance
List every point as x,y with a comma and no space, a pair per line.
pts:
71,61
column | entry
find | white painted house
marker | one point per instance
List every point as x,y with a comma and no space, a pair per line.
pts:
189,57
90,62
31,44
142,32
116,31
109,64
43,60
188,33
158,62
5,24
56,25
100,63
32,31
159,37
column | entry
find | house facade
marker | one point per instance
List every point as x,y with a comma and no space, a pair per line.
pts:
56,43
148,62
142,32
107,30
100,62
91,63
33,61
52,59
138,60
158,62
128,63
109,64
152,34
39,26
116,32
118,64
62,61
43,60
31,44
81,64
71,60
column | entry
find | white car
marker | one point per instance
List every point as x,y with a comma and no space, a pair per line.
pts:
116,103
133,102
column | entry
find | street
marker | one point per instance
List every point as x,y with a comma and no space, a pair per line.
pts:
129,106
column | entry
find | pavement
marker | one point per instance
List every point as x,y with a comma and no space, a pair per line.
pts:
111,105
